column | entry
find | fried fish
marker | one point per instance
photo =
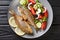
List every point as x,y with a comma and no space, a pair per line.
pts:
23,25
28,14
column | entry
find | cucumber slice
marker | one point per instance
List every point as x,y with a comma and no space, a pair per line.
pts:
38,25
24,2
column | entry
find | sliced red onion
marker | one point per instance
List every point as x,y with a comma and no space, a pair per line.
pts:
37,16
44,10
29,6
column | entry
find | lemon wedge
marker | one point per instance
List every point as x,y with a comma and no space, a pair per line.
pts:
19,32
12,22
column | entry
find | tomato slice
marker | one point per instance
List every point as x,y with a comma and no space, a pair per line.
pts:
43,26
33,2
46,14
32,11
40,16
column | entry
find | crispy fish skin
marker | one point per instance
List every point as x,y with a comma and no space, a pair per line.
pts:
29,16
18,20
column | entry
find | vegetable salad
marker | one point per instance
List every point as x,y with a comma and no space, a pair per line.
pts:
39,12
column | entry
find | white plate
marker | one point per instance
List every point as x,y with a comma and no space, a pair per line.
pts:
14,5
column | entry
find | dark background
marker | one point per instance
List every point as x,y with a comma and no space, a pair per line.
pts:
6,32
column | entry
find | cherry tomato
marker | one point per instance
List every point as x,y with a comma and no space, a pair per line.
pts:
43,26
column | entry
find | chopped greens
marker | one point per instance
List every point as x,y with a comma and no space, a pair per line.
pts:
36,21
44,19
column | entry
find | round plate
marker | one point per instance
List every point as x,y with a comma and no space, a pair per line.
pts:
45,3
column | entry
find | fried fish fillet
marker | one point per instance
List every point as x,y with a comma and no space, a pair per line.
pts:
23,25
29,16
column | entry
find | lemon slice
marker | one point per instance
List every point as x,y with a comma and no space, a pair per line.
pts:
12,22
19,32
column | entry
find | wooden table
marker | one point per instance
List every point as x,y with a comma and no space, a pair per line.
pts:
6,32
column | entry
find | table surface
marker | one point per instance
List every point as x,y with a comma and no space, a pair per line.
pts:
6,32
